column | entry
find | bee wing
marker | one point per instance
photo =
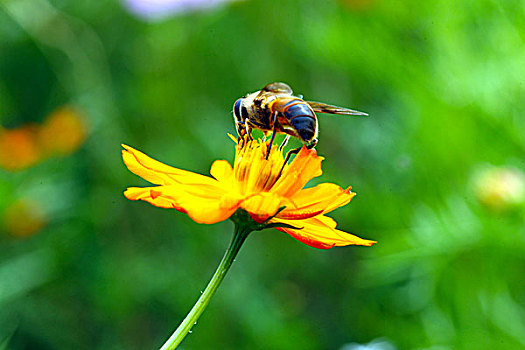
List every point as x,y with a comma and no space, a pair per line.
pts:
320,107
278,88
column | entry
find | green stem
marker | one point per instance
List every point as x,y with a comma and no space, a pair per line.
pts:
239,235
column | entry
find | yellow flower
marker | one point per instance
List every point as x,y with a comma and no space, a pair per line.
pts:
254,184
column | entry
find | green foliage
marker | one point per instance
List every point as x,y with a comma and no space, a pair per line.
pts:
443,83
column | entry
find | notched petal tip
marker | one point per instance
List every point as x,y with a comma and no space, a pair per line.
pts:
369,243
126,150
320,232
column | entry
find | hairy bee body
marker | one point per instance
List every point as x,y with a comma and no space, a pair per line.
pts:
275,109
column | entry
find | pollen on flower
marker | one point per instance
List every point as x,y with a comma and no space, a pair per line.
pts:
253,171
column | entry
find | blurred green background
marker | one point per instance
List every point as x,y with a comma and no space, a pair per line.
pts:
438,168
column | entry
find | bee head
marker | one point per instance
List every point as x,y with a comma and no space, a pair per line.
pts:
237,109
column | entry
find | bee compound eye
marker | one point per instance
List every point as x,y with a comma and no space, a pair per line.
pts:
237,108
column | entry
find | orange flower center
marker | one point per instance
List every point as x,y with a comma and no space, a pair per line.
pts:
253,172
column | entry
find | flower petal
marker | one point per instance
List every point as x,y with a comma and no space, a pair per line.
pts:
263,205
320,232
206,210
153,196
204,204
322,198
157,172
304,167
298,214
222,171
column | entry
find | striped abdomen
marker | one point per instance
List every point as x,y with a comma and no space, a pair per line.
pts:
297,118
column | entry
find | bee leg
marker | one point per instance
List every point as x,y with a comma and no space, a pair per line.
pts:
288,155
248,130
242,140
273,135
240,132
285,141
245,135
270,144
266,133
312,144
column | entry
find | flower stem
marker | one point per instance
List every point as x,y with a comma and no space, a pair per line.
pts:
239,235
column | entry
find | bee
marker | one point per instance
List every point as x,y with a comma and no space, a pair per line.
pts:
275,109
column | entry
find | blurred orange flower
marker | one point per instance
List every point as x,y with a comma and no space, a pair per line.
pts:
254,184
24,218
19,147
62,133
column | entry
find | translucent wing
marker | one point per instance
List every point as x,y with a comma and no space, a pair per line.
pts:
320,107
278,88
